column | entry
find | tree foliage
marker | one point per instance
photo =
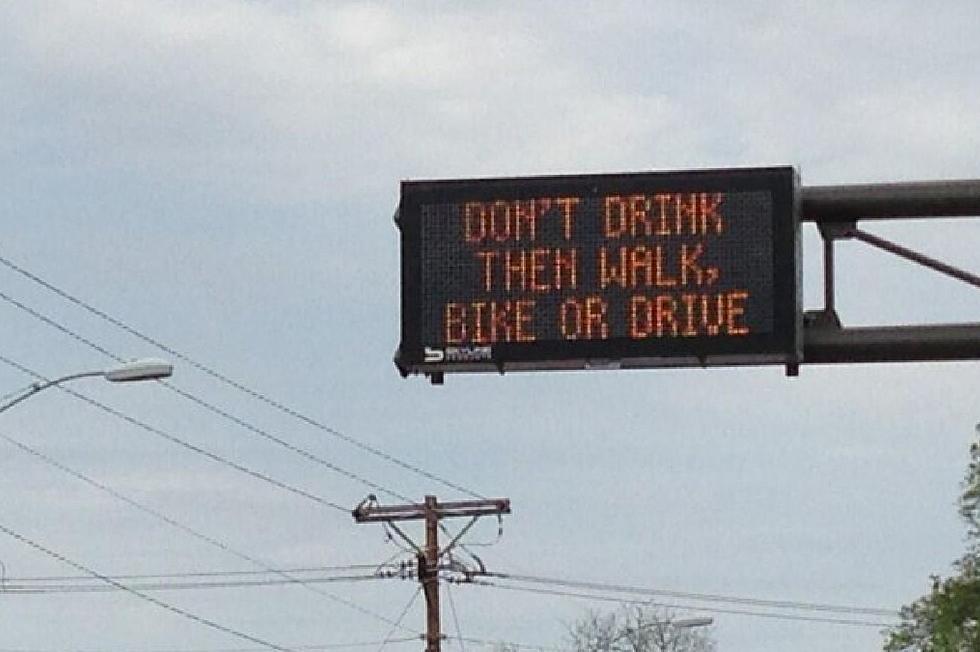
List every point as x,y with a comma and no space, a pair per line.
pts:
636,629
947,619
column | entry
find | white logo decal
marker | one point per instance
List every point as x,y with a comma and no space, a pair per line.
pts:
434,355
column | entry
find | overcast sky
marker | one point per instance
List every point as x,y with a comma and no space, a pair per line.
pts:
221,177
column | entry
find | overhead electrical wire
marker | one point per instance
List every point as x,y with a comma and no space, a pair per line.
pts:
129,501
216,410
201,620
322,646
193,574
194,448
43,585
394,460
191,531
278,405
685,607
11,588
169,520
222,413
279,441
707,597
180,442
510,644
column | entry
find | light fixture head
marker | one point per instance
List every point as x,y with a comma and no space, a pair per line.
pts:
139,369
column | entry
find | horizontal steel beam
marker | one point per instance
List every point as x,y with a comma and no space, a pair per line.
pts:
827,344
917,199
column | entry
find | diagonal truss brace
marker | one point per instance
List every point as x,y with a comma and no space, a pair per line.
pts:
833,231
915,256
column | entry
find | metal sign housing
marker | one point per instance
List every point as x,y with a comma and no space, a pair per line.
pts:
614,270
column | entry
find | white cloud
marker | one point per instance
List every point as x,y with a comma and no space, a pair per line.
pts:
221,175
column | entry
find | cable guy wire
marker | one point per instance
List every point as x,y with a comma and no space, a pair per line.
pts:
147,598
236,385
401,616
452,607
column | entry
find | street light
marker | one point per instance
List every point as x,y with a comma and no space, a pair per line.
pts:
683,623
688,623
127,372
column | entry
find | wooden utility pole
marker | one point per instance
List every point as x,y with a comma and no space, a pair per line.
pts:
431,511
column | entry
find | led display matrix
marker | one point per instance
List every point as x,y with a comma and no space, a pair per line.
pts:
650,269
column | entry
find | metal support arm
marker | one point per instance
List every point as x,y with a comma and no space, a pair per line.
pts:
836,211
824,344
919,199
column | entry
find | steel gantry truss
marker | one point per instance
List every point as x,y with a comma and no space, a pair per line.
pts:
836,211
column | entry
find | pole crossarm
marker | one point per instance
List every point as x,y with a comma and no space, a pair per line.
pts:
368,513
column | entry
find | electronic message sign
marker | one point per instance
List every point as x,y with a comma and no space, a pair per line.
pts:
613,270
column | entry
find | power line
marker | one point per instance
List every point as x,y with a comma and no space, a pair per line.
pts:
323,646
685,607
179,575
10,588
707,597
191,531
309,456
512,644
211,407
180,442
143,596
129,501
350,440
319,646
302,452
222,413
236,385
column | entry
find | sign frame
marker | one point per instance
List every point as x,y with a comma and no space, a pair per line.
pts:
782,346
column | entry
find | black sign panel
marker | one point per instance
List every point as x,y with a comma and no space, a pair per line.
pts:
621,270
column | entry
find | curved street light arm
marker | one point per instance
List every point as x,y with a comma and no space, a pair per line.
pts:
132,371
41,386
